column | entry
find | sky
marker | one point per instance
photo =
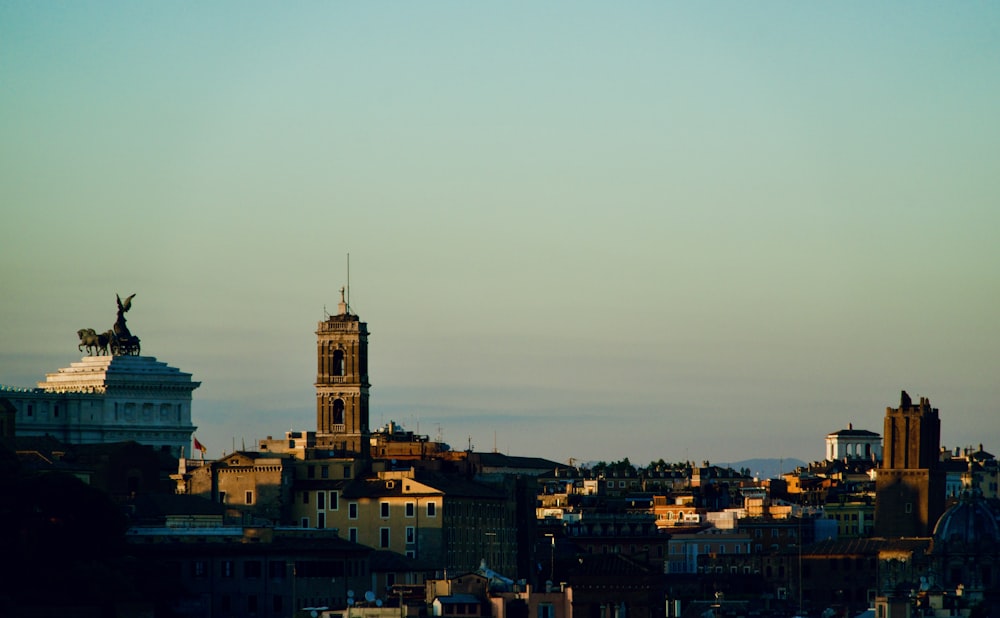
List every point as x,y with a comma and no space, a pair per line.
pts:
688,231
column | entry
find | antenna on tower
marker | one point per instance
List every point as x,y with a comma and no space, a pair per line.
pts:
348,283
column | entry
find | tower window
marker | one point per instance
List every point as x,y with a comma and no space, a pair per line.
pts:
338,411
338,363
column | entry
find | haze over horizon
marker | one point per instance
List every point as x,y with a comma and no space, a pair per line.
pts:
577,230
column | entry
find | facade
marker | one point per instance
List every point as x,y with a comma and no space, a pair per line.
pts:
342,383
104,399
443,521
910,484
854,443
254,488
695,552
855,517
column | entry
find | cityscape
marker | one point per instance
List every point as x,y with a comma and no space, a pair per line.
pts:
115,509
499,310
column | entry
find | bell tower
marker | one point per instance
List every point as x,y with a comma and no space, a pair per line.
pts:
342,383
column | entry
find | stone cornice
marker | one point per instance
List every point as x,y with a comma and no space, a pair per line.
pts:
118,375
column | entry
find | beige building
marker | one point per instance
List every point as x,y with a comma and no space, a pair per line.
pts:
447,522
255,488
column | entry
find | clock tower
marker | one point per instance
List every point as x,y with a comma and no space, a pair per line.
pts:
342,383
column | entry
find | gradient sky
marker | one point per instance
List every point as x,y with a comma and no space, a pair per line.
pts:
590,230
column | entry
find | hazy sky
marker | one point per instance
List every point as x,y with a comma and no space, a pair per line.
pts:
590,230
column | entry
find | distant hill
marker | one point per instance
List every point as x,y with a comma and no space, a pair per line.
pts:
766,468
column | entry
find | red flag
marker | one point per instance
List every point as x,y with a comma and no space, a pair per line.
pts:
199,446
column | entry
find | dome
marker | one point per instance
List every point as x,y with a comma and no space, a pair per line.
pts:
969,523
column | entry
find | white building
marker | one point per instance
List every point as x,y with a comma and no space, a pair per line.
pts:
854,443
105,399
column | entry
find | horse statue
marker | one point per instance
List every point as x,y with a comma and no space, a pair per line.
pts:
118,341
93,342
123,346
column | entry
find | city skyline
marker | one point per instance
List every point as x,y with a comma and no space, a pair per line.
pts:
575,231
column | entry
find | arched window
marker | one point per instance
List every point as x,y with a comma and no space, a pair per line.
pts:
338,411
338,363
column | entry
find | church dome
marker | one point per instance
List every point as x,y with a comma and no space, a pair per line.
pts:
968,524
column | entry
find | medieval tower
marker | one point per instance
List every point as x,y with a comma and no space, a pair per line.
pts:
910,486
342,383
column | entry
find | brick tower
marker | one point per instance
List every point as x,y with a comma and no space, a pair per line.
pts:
910,486
342,383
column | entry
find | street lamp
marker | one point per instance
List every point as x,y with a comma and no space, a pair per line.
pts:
552,560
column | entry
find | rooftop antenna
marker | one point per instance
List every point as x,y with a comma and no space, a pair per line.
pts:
348,284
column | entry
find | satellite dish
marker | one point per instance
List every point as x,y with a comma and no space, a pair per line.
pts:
350,600
350,593
378,602
369,596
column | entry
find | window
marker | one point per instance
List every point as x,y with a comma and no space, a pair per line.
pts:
321,520
432,509
352,535
324,472
909,507
334,501
222,497
249,497
338,363
410,535
347,471
199,568
227,568
320,501
352,510
311,472
411,554
546,610
305,522
384,510
411,509
383,540
338,411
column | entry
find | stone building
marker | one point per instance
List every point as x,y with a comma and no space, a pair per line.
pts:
910,484
254,488
107,399
966,551
443,521
342,387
